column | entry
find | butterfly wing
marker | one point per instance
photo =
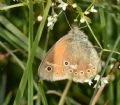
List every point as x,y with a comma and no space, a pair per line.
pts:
51,67
72,56
80,58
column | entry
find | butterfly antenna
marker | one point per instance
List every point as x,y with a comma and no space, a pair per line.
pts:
67,20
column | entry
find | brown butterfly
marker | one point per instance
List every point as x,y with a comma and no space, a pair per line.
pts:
73,56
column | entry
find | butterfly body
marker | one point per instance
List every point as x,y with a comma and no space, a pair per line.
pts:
73,56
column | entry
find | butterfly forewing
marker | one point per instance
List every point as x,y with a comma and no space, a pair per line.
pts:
53,59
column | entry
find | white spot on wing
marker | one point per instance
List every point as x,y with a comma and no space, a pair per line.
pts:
73,66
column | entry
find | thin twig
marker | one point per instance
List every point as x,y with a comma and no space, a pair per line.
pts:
62,99
53,92
113,70
72,101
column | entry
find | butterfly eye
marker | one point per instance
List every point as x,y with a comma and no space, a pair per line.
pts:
49,68
88,71
81,72
66,63
76,73
93,68
71,71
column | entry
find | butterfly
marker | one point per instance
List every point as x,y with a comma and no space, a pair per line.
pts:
72,56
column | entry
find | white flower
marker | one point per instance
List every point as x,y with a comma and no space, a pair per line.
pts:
89,82
111,66
63,5
75,20
97,77
86,12
52,20
103,81
74,5
39,18
82,20
93,9
53,4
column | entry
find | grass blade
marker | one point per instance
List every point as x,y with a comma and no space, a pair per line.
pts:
7,100
30,76
42,94
31,58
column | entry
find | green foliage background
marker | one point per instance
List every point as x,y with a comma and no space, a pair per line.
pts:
24,41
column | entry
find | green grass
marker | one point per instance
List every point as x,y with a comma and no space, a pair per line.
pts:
25,41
